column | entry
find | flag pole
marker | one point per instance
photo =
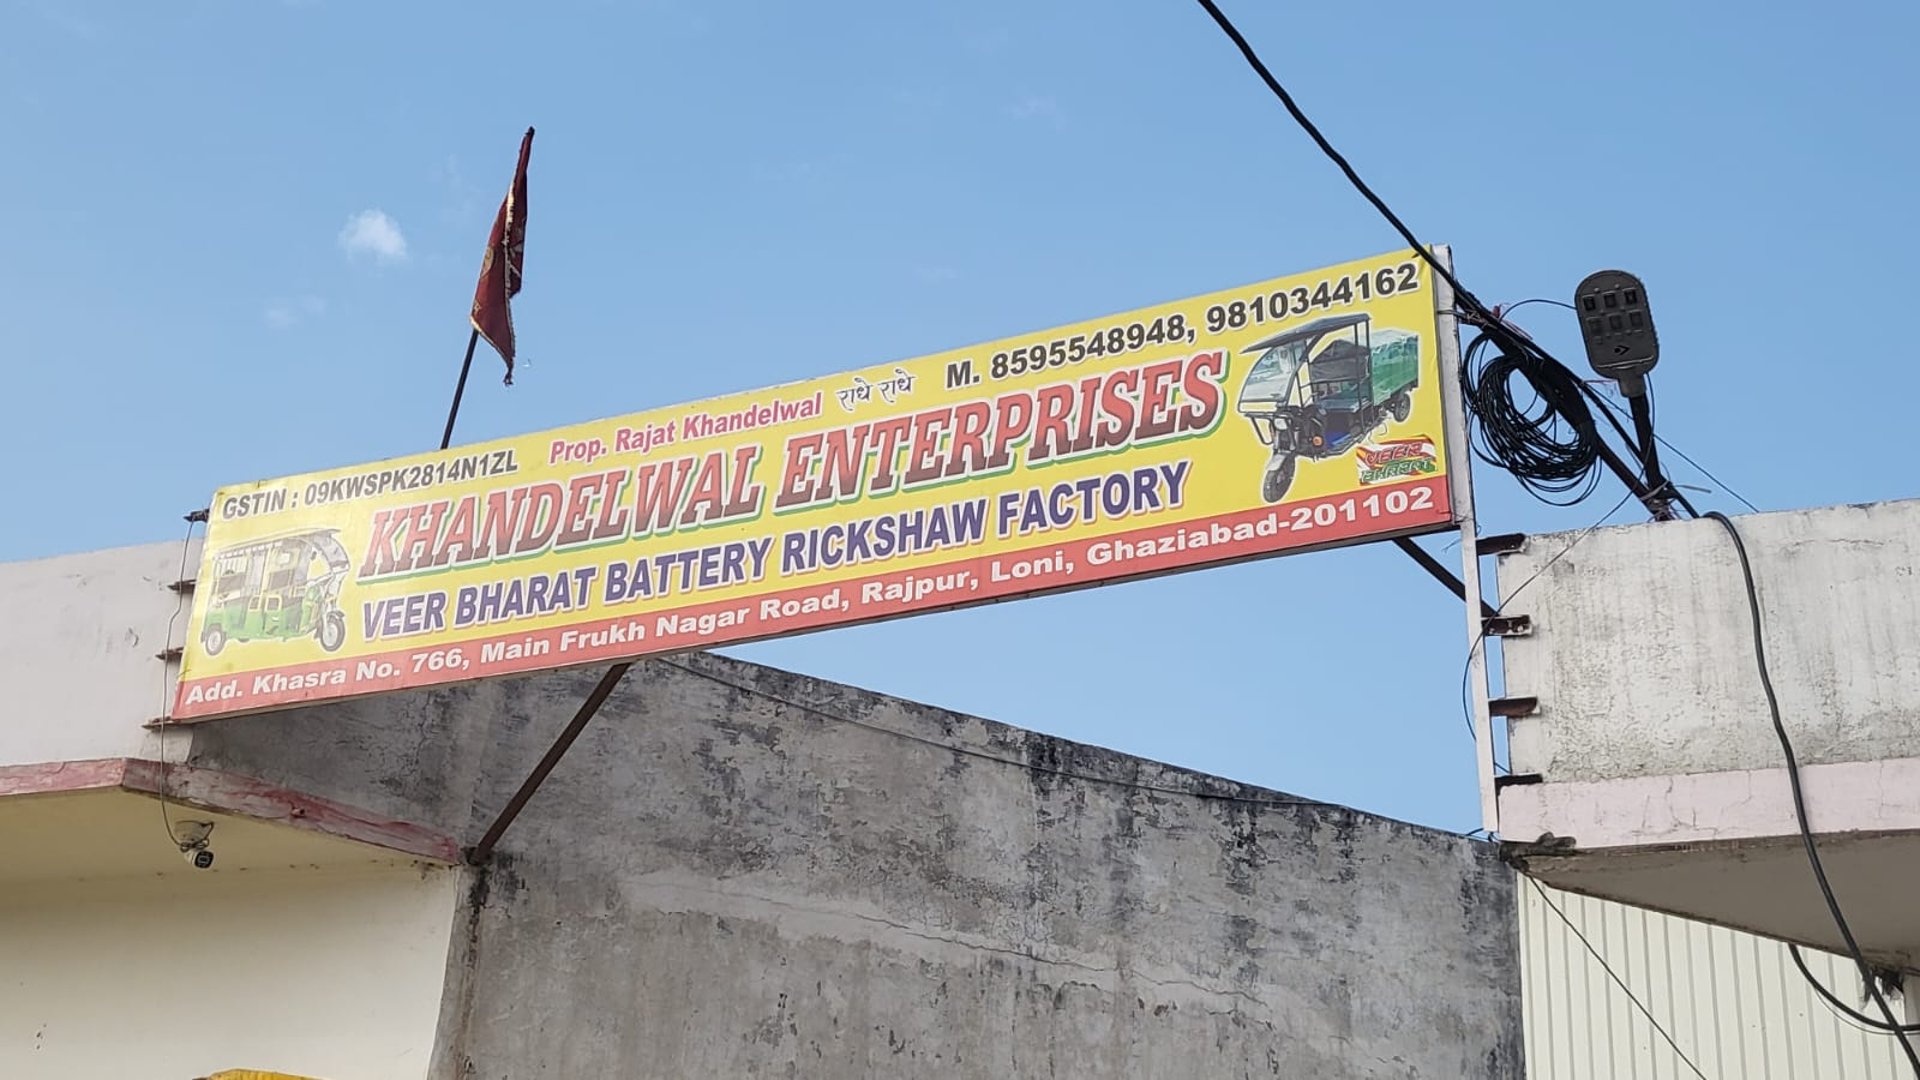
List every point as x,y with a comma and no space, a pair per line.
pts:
460,388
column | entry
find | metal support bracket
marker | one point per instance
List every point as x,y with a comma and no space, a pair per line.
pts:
1518,780
481,852
1502,543
1513,708
1506,626
1440,573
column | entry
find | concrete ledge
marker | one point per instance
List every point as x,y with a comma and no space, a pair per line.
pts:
1642,656
1654,811
230,793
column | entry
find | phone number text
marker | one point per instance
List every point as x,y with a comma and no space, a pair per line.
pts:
1241,312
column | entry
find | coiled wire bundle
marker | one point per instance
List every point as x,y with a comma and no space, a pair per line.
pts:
1548,439
1538,439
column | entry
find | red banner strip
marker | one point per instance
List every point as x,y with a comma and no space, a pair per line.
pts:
647,631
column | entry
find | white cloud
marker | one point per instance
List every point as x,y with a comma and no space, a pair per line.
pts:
283,313
372,232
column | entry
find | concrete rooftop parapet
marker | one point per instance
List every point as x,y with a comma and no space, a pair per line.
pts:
81,647
1646,765
1642,659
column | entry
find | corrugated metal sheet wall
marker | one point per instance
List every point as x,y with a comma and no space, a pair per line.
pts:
1732,1001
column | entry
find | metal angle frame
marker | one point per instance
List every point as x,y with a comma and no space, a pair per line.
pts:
1460,488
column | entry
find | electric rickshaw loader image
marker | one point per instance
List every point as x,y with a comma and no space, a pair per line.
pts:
279,588
1318,390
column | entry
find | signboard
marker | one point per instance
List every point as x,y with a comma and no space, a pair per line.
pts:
1296,413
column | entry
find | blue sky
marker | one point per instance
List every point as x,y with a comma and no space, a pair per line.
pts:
244,235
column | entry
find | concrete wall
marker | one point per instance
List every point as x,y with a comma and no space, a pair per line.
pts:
79,647
781,877
329,973
1642,653
799,879
1664,783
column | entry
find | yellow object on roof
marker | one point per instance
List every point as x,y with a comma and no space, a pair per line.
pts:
252,1074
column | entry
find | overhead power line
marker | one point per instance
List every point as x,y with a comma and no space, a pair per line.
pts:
1505,311
1569,422
1531,446
1800,801
1841,1007
1617,980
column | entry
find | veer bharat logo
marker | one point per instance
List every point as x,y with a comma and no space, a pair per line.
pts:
1396,458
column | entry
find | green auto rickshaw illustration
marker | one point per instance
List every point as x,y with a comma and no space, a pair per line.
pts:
1319,390
278,588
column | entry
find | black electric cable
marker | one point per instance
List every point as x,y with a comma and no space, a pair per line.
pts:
1506,310
1682,455
1658,495
181,591
1466,668
1842,1007
1549,377
1461,295
1563,398
1547,462
1531,441
1799,796
1642,410
1617,980
1552,444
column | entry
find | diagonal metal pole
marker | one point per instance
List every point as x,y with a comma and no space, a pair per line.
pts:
482,851
1440,573
460,388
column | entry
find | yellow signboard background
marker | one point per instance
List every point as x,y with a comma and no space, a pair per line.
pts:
1093,452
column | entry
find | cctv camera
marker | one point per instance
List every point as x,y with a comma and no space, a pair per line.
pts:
201,858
